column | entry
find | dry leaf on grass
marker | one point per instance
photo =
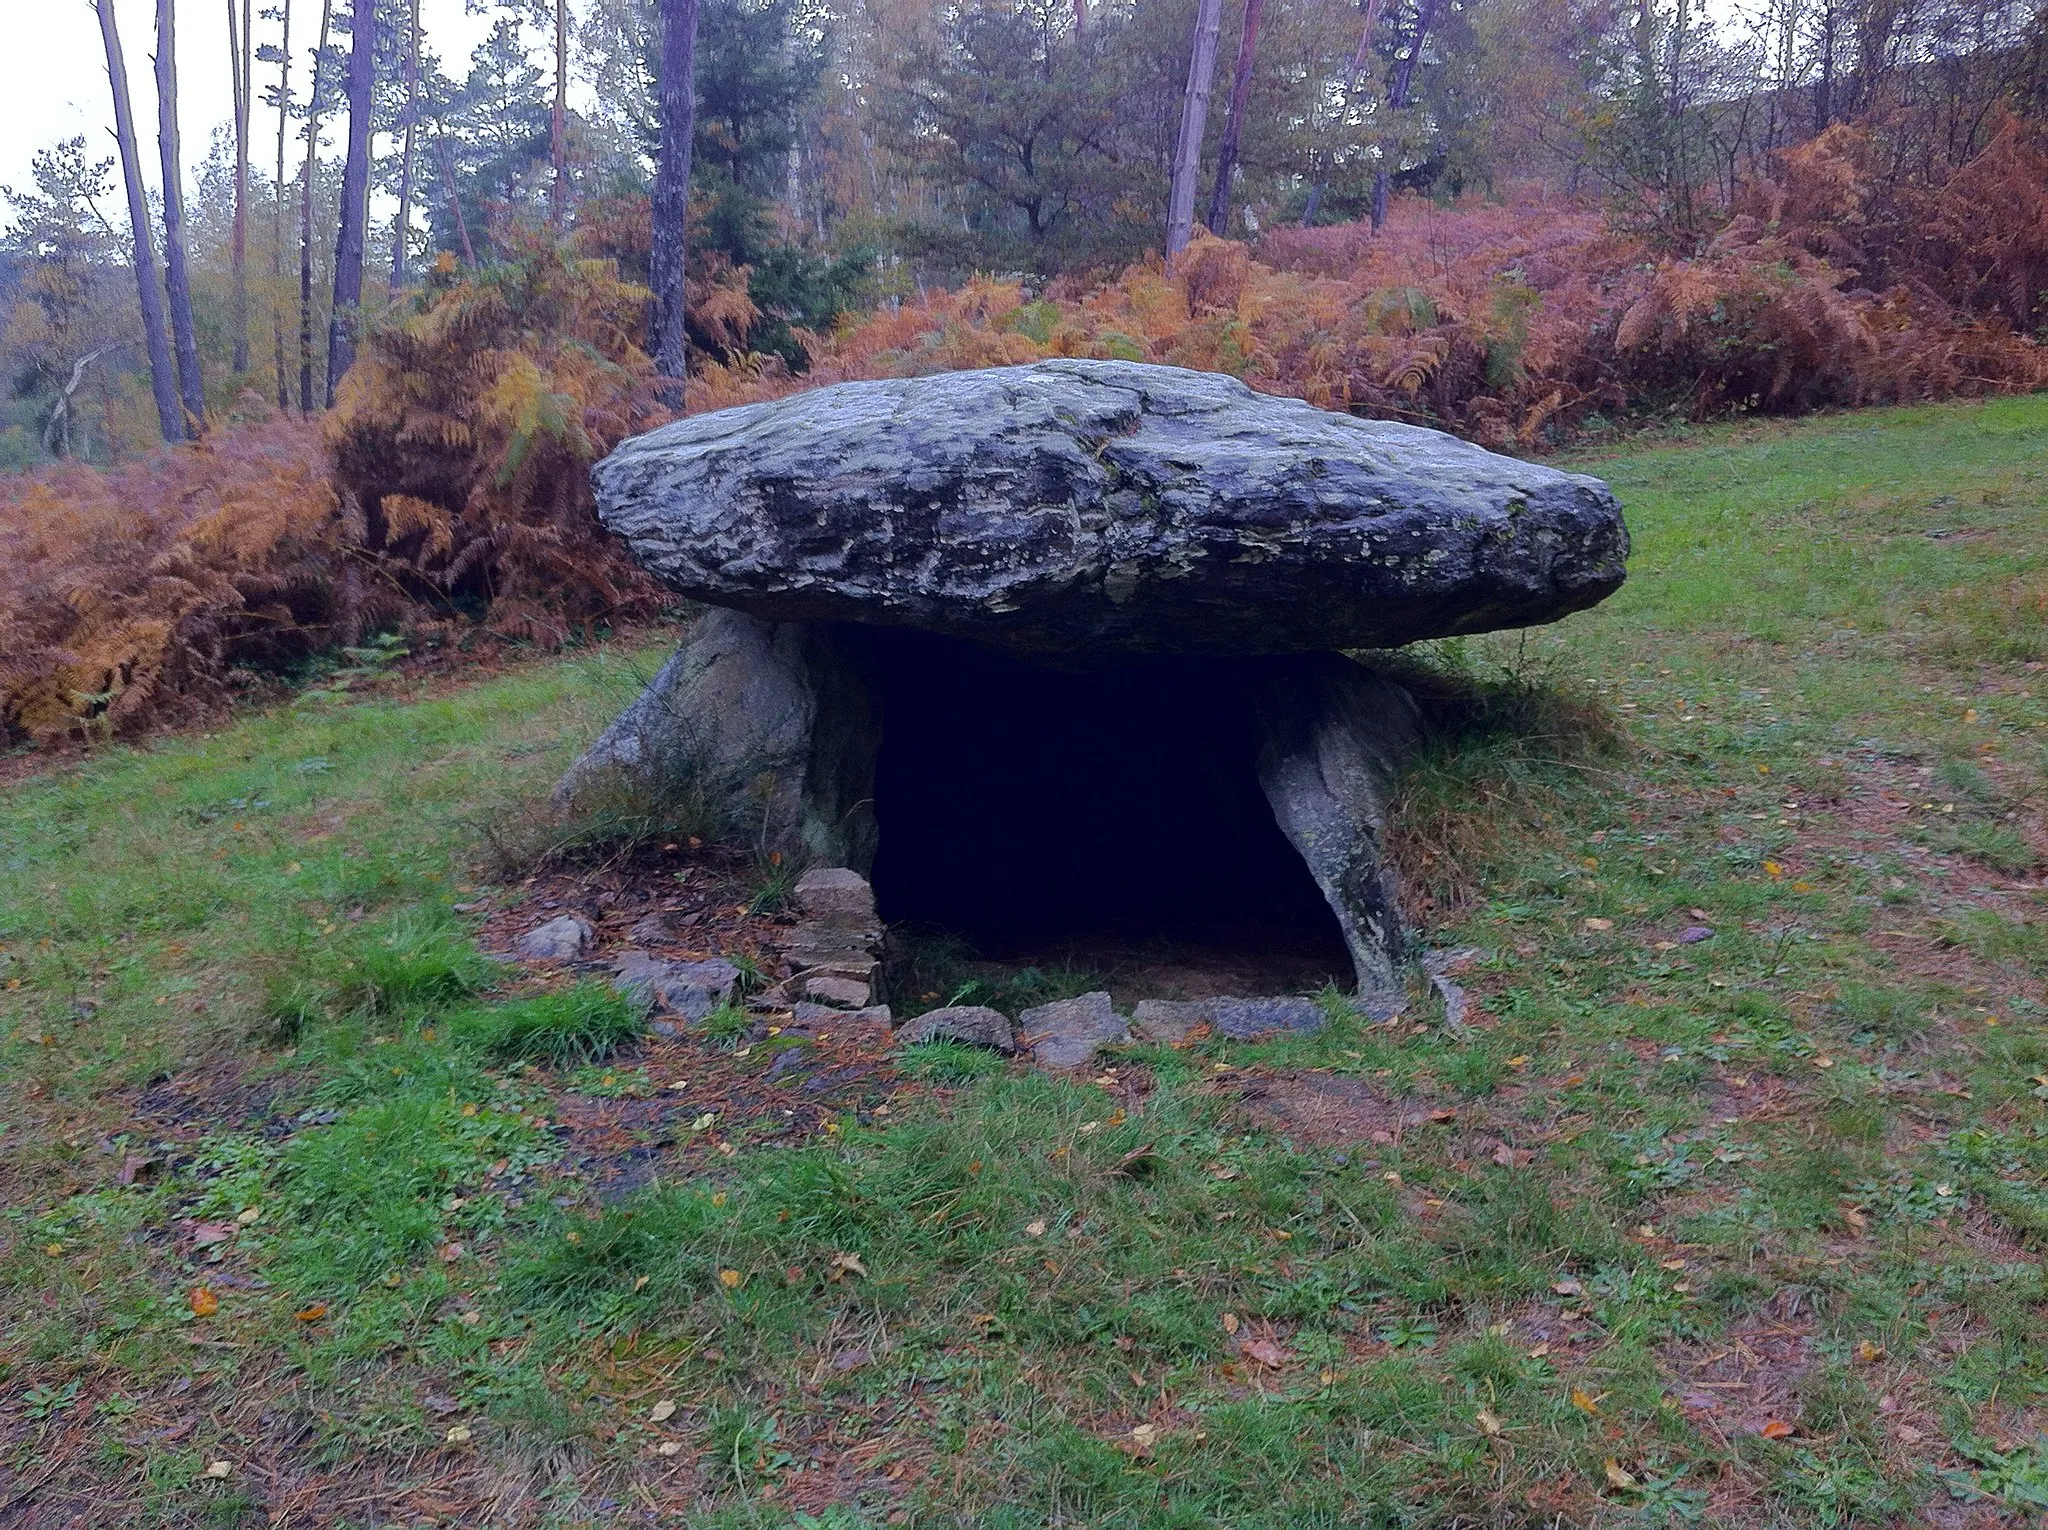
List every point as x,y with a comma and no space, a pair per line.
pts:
202,1302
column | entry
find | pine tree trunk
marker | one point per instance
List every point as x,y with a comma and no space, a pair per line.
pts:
284,114
1397,100
401,230
1233,117
678,106
346,314
558,126
306,218
241,60
149,296
1194,120
454,195
1358,62
177,281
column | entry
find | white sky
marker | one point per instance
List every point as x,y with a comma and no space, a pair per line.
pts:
53,73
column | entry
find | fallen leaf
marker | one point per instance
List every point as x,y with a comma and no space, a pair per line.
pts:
219,1470
1773,869
249,1216
1855,1220
1585,1402
202,1302
669,1448
1599,924
662,1411
1144,1436
1567,1287
1539,1351
1230,1324
1867,1351
1512,1158
1035,1229
844,1264
730,1279
206,1234
1265,1351
458,1434
1616,1477
1776,1429
450,1252
312,1314
1488,1423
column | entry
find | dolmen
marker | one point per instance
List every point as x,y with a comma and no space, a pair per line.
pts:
1084,519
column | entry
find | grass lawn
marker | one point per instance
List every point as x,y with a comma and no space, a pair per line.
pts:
1724,1207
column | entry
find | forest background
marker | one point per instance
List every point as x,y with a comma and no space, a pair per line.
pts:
409,299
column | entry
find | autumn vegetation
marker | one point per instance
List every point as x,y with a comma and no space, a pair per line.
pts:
1551,226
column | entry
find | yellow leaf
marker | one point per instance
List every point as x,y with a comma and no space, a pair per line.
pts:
202,1302
1773,869
730,1279
1616,1477
1776,1429
458,1434
1585,1402
312,1314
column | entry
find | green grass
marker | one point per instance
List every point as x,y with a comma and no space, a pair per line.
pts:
1791,1169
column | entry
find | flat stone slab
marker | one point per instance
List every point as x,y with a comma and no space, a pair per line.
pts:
1068,1033
975,1024
1098,508
1173,1020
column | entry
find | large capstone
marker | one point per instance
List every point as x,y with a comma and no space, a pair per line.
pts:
1059,646
1083,509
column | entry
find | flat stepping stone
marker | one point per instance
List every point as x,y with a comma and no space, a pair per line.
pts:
1172,1021
1069,1033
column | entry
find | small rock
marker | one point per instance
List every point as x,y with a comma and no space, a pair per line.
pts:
1242,1019
1168,1021
689,989
1693,934
975,1024
837,894
825,1014
1172,1021
1068,1033
650,930
562,939
847,993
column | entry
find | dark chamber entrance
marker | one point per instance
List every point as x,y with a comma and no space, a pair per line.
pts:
1111,818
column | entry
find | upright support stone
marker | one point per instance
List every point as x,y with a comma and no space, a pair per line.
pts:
763,730
1336,734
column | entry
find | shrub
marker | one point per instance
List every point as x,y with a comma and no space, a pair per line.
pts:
463,438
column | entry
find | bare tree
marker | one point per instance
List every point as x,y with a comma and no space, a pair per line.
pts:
241,61
161,382
1359,60
678,108
346,313
177,280
1233,117
1194,119
401,227
306,218
284,115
